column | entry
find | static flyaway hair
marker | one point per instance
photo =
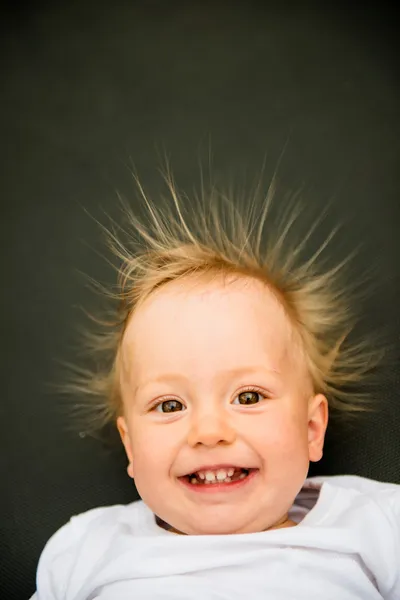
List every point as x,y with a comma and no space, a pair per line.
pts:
208,235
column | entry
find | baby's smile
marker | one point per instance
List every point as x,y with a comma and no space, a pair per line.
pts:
217,478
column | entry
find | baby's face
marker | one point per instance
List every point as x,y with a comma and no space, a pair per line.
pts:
220,420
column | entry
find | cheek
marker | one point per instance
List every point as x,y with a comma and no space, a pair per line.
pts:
281,434
153,450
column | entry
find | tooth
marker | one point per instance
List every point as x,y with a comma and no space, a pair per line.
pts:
221,475
230,472
228,479
242,475
201,474
193,480
210,476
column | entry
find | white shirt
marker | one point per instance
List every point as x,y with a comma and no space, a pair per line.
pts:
346,546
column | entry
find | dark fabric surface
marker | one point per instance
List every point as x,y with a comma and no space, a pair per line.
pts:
88,88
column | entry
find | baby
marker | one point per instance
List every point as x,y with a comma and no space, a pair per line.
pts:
228,351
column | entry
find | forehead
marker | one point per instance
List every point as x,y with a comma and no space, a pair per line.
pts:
197,327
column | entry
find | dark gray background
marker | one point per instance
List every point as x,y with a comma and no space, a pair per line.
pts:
87,90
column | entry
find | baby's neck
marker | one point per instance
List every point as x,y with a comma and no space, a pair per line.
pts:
167,527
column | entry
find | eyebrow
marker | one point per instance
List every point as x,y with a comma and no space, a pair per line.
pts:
234,372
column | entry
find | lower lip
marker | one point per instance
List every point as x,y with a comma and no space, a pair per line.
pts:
212,488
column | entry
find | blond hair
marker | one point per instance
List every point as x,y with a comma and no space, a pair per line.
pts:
212,235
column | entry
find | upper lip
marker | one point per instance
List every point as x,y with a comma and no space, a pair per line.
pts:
217,467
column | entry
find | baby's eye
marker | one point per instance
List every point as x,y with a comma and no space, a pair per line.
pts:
169,406
249,397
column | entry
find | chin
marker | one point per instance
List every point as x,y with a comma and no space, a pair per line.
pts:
219,528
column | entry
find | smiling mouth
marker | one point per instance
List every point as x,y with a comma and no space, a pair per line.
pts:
221,476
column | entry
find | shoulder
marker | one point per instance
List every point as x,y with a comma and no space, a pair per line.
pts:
84,534
79,525
357,503
378,491
368,513
361,491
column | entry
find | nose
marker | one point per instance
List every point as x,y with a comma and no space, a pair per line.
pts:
211,430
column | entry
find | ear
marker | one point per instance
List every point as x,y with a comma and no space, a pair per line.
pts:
126,440
317,424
